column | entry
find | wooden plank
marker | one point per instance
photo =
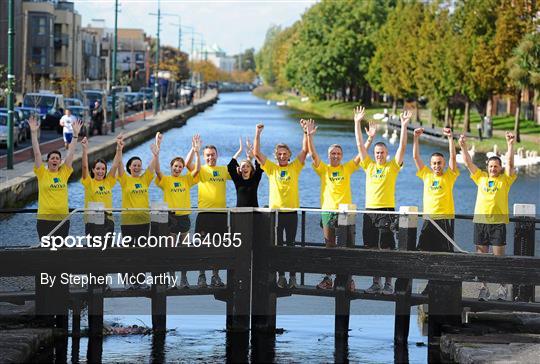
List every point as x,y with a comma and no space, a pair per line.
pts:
404,264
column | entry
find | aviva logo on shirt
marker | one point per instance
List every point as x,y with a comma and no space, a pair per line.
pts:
177,187
138,189
102,191
336,177
435,185
177,184
491,187
284,176
378,173
57,183
215,177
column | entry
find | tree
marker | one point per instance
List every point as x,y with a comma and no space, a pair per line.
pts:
264,58
209,72
174,61
524,70
246,60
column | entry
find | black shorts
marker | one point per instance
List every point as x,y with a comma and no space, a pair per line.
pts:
490,234
44,227
377,230
431,239
211,223
178,223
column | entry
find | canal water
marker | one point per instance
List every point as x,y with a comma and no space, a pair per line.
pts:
197,323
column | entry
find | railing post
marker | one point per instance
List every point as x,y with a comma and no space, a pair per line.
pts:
96,218
408,224
524,245
159,218
345,236
263,309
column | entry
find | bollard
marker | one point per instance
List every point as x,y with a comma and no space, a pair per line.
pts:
159,219
408,224
345,236
524,245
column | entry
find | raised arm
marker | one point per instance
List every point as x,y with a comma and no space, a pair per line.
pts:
196,147
303,153
239,151
118,155
452,164
34,130
371,131
404,117
510,139
416,148
73,145
466,156
359,112
85,172
189,157
311,129
257,144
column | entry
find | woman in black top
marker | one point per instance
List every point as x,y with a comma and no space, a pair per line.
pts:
246,178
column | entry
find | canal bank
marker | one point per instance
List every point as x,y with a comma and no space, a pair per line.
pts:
19,185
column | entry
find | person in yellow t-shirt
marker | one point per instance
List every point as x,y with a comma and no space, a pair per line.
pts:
283,181
335,188
53,183
212,188
381,176
98,185
438,196
491,209
135,185
176,189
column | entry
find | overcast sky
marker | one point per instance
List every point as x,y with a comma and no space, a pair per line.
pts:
232,24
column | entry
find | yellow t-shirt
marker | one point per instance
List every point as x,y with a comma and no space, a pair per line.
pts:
213,187
380,183
176,191
438,196
335,184
99,191
52,192
492,197
135,195
283,183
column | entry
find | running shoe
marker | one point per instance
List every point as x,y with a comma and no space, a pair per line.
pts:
201,282
502,293
483,295
326,283
282,282
388,289
375,288
292,281
216,281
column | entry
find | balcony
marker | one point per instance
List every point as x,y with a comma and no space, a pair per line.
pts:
61,40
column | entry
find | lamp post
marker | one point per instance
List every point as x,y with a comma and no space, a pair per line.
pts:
115,50
155,103
10,83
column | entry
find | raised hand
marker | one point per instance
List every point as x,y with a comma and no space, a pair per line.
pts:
155,149
84,143
359,113
447,132
120,141
462,141
510,138
77,127
418,132
405,117
240,145
196,142
371,131
259,128
249,149
309,126
159,139
34,124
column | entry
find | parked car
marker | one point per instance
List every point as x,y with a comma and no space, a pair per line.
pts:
19,122
51,108
27,112
148,95
133,100
4,131
72,102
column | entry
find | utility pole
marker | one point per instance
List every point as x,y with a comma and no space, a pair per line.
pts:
156,66
10,82
115,50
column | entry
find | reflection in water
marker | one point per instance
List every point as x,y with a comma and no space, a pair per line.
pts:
341,349
95,349
263,347
237,347
158,348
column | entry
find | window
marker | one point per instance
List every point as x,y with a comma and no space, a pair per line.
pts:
39,56
41,22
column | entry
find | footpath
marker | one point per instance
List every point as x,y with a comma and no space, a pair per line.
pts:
18,186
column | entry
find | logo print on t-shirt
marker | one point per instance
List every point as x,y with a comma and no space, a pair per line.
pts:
491,184
56,180
335,174
283,174
176,184
138,185
215,173
435,184
379,170
101,188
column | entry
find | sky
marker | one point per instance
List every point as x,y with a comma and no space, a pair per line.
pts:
234,25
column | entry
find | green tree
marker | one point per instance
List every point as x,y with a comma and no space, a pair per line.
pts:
264,58
246,60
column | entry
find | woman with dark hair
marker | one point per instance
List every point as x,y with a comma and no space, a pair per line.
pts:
53,183
98,185
135,185
246,177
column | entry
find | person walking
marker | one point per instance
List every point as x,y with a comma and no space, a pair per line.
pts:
66,122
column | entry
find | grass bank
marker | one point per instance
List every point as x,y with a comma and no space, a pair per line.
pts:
336,110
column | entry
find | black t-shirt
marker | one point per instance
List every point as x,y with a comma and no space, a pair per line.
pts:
246,189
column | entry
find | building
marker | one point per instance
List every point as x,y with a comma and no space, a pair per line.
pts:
218,57
132,51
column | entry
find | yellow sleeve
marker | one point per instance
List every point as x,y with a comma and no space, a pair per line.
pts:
160,182
85,181
269,167
226,171
65,172
510,179
422,172
123,179
190,179
111,181
39,171
320,169
351,167
297,166
477,175
395,166
453,175
366,162
148,177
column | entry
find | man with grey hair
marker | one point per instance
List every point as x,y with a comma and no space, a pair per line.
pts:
335,187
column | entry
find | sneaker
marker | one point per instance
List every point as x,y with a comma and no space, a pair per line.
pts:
201,282
282,282
502,293
484,294
183,284
375,288
326,283
351,286
216,281
292,281
388,289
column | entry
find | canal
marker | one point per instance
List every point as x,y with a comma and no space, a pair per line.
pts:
197,323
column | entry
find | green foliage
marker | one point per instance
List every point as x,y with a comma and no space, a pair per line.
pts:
524,66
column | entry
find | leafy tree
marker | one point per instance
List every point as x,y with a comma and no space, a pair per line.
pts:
264,58
175,61
209,72
246,60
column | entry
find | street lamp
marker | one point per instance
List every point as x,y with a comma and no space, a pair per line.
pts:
113,91
10,83
155,103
